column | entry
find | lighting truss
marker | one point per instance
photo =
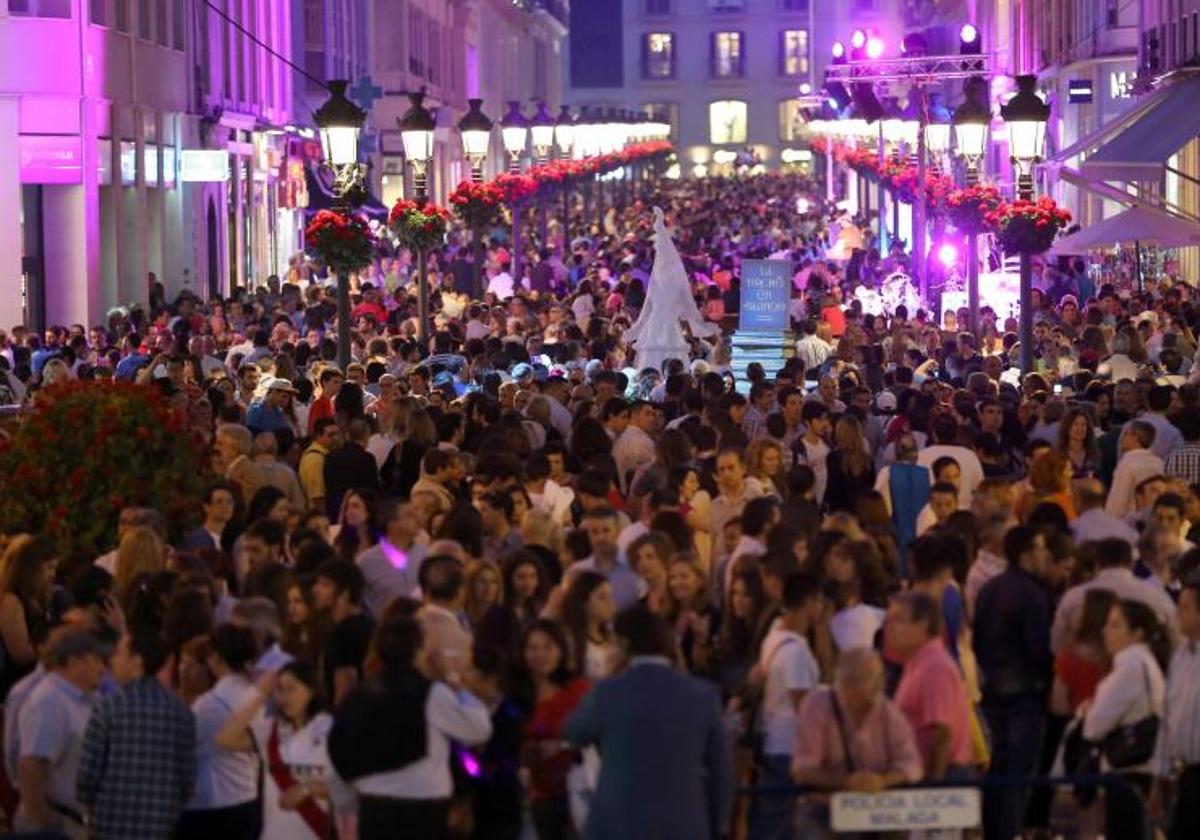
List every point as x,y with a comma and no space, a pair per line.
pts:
916,70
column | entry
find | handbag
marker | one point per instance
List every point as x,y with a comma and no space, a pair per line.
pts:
1133,743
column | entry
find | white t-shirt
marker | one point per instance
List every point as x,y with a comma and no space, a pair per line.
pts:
790,666
306,755
816,455
855,627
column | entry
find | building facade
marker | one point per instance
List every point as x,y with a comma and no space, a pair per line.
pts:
495,50
725,73
140,140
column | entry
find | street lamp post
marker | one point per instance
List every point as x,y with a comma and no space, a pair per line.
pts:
340,121
476,131
564,137
913,128
416,133
514,129
1025,115
541,130
971,120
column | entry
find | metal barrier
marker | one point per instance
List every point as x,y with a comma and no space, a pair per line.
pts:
946,805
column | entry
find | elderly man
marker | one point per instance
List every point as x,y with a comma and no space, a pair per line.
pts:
52,723
851,736
233,445
279,475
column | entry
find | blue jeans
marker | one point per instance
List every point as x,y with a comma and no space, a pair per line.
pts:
1017,728
771,814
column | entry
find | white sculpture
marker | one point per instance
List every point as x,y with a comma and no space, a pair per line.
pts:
657,335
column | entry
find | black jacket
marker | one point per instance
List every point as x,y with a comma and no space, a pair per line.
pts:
347,468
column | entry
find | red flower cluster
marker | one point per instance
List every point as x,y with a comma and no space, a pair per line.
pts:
516,189
1028,227
478,205
59,464
969,208
344,243
418,227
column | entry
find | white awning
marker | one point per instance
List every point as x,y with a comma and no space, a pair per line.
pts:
1140,152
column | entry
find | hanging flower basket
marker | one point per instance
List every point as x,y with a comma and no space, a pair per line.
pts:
968,209
478,205
516,189
418,228
344,243
1028,227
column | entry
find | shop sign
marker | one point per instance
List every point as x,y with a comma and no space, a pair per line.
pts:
203,166
47,159
919,809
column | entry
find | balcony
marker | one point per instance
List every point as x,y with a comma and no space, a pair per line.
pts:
556,9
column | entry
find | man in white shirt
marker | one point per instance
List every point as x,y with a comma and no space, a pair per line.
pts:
635,447
989,562
1138,462
812,350
1167,437
789,671
1093,523
945,442
1114,561
501,284
1179,734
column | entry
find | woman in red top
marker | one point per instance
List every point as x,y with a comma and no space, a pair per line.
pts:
553,694
1083,663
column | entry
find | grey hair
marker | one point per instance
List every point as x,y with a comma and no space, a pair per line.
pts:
69,643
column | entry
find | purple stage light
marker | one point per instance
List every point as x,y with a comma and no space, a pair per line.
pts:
948,255
839,49
968,33
858,39
874,48
805,88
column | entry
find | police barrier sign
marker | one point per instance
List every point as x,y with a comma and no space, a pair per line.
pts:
906,810
766,291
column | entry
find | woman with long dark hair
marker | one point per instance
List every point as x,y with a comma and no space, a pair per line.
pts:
26,583
587,613
736,645
526,586
553,691
358,525
291,741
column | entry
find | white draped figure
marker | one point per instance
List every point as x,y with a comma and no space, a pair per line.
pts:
657,334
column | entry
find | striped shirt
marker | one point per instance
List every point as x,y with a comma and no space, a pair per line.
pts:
1179,737
1184,463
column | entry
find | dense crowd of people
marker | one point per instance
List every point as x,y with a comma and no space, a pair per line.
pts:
511,584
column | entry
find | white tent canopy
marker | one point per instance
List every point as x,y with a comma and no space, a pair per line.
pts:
1141,225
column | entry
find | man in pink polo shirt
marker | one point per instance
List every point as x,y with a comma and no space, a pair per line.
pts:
931,693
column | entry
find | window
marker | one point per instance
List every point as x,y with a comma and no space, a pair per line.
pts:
668,112
226,52
793,5
727,122
658,55
416,34
146,20
40,8
178,24
98,12
121,15
726,55
164,31
658,7
1113,14
793,52
435,51
790,120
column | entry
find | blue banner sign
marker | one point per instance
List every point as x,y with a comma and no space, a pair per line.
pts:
766,291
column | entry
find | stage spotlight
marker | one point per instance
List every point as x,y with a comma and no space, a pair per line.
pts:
874,48
805,88
948,255
969,42
859,39
839,52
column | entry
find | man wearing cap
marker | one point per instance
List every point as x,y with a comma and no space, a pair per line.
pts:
266,413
